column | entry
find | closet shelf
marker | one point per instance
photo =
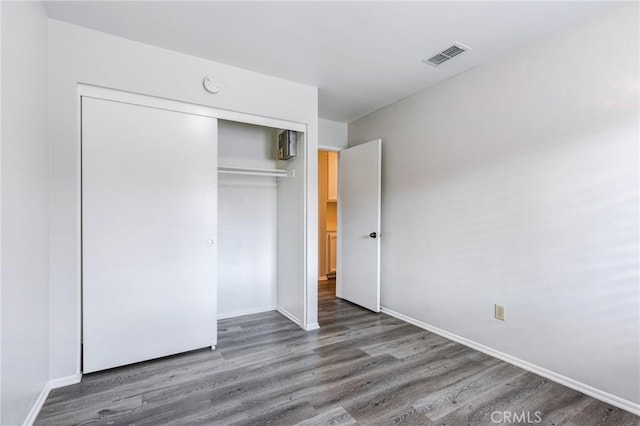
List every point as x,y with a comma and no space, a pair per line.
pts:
278,173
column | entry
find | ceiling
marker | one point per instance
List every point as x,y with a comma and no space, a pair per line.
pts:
361,55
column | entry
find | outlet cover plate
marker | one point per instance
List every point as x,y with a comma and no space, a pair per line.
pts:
498,312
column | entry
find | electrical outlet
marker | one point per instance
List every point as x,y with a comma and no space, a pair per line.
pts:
498,311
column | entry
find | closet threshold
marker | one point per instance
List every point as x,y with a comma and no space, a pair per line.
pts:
278,173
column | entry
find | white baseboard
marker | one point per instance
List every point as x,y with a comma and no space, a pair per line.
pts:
614,400
289,315
65,381
42,398
247,312
293,318
37,406
314,326
296,320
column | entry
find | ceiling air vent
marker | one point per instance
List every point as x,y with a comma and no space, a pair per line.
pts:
446,54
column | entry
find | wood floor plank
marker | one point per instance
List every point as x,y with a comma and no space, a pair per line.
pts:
402,347
100,411
358,368
289,413
438,404
362,387
503,398
602,414
406,415
323,384
555,404
334,417
412,384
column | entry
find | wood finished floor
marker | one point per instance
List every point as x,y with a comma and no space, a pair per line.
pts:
359,368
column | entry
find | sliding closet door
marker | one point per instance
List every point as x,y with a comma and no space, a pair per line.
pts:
149,182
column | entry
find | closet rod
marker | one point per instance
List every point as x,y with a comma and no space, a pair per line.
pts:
253,172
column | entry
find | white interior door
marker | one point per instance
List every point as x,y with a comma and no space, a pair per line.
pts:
358,269
149,213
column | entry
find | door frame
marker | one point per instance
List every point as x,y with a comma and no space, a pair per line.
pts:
329,148
110,94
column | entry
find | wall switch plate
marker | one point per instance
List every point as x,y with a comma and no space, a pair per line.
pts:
498,311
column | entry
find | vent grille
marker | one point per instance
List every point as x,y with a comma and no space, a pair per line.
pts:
446,54
438,59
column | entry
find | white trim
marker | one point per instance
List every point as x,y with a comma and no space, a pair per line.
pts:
379,224
339,242
37,405
78,203
65,381
329,148
97,92
601,395
42,398
289,316
247,312
48,215
314,326
305,231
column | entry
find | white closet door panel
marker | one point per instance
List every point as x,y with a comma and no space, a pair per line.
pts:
149,213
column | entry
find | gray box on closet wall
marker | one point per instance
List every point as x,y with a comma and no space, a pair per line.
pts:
287,144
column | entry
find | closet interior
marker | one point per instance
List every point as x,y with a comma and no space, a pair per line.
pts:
249,175
251,180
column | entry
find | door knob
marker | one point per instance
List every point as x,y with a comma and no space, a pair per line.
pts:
209,243
373,235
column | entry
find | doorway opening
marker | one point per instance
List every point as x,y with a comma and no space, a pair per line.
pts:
327,225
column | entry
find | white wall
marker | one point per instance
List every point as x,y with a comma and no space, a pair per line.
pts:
247,221
77,55
517,183
290,262
332,134
0,211
25,209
